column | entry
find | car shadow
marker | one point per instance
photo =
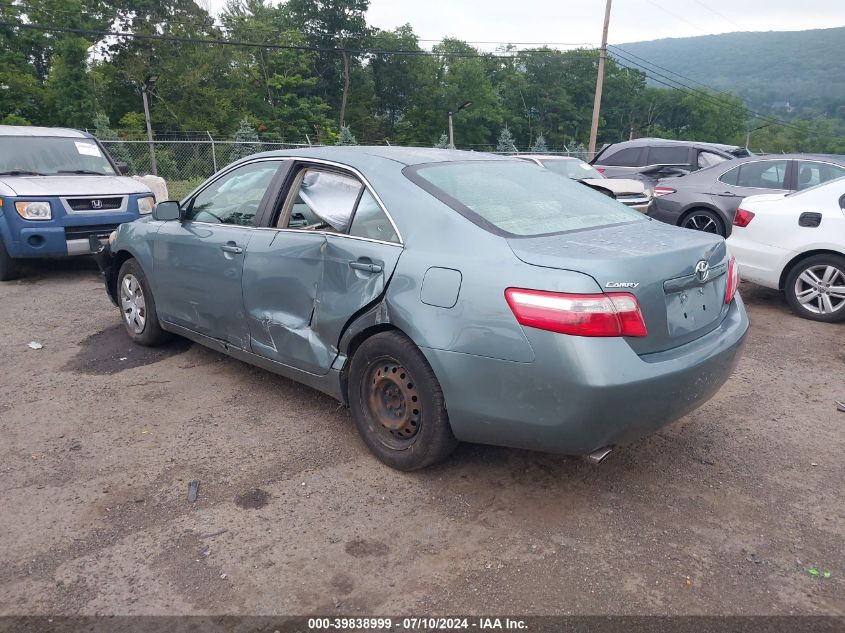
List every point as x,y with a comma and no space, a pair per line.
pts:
34,271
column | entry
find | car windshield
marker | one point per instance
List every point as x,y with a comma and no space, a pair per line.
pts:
519,199
575,169
51,155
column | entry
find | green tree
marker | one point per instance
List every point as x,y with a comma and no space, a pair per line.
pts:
442,142
505,141
346,137
246,141
539,145
69,90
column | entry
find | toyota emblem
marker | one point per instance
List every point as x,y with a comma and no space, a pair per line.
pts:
702,271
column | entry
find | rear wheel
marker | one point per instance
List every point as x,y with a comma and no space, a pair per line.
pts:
397,404
137,306
815,288
704,220
9,268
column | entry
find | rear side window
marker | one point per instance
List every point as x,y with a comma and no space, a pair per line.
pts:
769,174
730,177
668,156
812,173
517,199
627,157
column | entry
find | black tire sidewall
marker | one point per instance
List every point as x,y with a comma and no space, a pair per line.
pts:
789,286
152,333
434,440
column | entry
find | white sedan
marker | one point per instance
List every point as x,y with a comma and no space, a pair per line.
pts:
795,242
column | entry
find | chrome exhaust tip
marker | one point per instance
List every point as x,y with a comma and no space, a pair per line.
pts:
598,456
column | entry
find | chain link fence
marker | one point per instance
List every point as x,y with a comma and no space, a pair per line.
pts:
184,164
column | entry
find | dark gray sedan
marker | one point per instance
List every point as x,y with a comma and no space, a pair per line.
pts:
442,295
707,200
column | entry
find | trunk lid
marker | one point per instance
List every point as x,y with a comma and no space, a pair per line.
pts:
660,259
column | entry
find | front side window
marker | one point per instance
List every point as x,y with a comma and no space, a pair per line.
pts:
768,174
668,155
235,197
811,173
517,199
708,159
50,155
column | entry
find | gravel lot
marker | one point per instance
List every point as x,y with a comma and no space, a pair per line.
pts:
724,512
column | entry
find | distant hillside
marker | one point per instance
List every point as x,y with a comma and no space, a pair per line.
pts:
805,69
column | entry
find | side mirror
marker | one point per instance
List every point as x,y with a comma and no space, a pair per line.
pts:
122,167
168,210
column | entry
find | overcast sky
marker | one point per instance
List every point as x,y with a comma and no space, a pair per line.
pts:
580,21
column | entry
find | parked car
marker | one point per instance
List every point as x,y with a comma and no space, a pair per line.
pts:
58,187
631,193
707,200
444,295
795,243
650,159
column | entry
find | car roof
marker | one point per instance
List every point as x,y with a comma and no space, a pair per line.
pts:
360,156
829,158
637,142
32,130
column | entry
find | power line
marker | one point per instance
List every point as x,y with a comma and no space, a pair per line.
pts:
714,12
317,49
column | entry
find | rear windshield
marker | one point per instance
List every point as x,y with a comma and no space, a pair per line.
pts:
519,199
50,155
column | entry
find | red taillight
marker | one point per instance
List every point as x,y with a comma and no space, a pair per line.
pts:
743,217
611,314
662,191
733,280
600,169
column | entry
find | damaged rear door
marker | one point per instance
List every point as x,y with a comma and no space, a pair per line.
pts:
331,255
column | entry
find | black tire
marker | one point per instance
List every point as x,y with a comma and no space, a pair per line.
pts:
391,383
704,220
813,309
9,268
149,333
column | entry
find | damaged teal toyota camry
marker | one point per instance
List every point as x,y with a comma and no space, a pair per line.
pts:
444,296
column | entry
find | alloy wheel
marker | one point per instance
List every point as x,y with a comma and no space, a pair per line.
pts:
821,289
701,222
132,303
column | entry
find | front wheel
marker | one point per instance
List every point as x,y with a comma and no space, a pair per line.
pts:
137,306
9,268
815,288
705,221
397,404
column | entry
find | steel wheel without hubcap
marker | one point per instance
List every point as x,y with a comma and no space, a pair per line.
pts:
393,403
702,222
132,303
821,289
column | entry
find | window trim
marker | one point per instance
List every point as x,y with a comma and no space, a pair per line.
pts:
410,172
796,161
284,189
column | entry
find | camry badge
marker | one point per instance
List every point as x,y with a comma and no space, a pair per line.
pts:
622,284
702,270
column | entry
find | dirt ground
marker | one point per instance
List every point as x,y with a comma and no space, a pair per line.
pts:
724,512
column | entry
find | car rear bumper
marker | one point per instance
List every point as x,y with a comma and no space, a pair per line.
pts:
582,394
758,263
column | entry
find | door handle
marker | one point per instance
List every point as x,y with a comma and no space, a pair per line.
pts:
367,267
728,194
232,248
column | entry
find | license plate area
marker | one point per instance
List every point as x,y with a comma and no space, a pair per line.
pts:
693,308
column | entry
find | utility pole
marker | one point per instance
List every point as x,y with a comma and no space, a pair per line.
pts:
594,129
149,82
465,104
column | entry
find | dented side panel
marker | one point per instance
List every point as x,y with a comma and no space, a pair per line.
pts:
282,273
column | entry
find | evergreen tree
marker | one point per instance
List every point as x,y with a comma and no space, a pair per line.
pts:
246,141
346,137
443,142
104,132
539,146
505,142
